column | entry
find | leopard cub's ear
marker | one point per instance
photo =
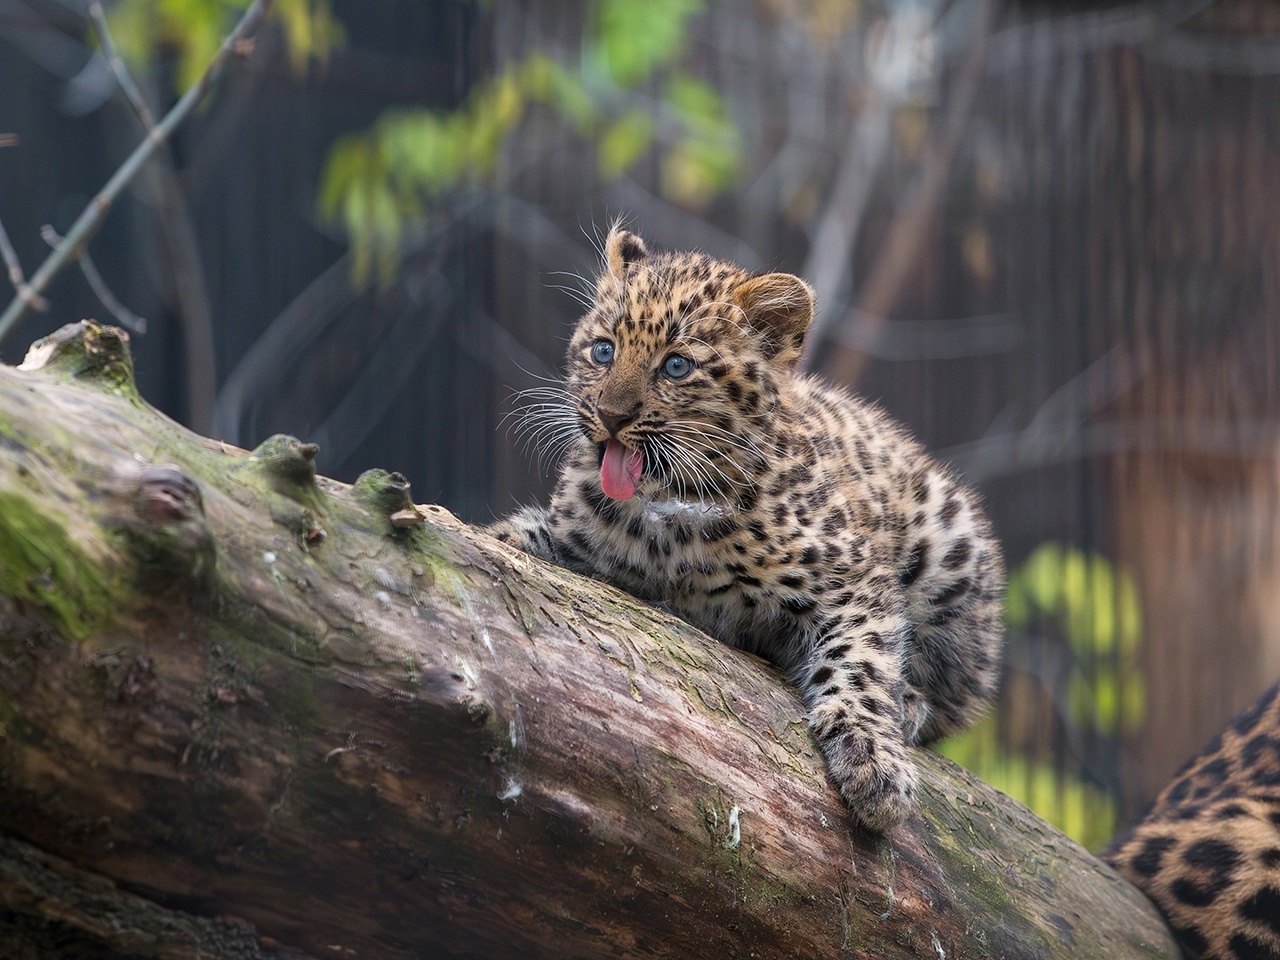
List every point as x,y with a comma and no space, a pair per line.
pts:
622,248
778,306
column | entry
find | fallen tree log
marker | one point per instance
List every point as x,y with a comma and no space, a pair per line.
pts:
246,711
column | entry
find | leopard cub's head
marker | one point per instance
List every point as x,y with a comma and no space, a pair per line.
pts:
676,369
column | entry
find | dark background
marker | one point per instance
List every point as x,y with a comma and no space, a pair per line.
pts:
1061,273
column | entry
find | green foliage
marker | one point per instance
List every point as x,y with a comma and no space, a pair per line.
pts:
1082,811
705,161
624,140
1095,606
1088,607
624,95
194,29
633,39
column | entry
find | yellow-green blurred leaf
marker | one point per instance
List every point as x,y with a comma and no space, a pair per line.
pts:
1041,577
1080,810
195,30
695,170
695,100
1099,703
624,141
311,29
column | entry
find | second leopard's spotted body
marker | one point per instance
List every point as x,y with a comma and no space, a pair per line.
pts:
1208,851
780,515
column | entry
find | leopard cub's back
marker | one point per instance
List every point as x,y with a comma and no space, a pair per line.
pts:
1208,851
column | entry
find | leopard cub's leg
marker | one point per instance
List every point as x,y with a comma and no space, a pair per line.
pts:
854,688
528,529
952,576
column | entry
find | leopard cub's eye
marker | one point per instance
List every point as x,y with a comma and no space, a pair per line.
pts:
602,352
677,367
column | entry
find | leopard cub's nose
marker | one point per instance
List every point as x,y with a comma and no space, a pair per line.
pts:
615,420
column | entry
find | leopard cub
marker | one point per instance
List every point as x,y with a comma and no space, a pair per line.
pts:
777,513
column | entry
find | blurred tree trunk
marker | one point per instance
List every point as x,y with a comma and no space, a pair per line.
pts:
1145,140
1187,245
246,711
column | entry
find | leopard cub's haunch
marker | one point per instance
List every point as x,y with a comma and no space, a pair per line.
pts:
1208,850
779,514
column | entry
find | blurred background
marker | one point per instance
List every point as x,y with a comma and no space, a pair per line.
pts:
1043,235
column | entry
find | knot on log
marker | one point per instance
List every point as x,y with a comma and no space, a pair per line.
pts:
85,351
289,468
165,532
288,462
387,494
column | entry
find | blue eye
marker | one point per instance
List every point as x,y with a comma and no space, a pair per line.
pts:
602,352
677,367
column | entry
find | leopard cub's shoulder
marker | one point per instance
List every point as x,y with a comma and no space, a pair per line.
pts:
1208,851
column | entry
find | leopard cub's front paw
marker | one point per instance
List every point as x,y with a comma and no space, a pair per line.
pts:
874,775
887,800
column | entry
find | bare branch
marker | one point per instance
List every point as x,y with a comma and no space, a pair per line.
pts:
864,153
99,286
25,293
831,252
179,248
99,20
11,255
91,217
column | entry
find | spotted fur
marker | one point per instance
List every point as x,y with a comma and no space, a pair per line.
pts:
1208,851
779,514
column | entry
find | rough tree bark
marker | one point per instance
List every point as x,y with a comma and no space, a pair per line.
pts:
246,711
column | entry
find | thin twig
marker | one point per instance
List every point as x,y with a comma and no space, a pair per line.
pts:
25,293
99,20
99,286
11,255
175,224
91,217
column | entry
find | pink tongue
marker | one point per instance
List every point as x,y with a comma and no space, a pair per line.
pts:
620,470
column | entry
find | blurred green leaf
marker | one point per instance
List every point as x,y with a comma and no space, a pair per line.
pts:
1097,601
634,38
194,29
420,154
311,29
1109,701
695,170
1091,604
552,84
696,101
376,182
624,141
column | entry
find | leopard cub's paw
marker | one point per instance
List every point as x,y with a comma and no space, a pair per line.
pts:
526,530
876,778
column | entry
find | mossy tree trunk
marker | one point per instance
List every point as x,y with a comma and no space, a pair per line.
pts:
246,711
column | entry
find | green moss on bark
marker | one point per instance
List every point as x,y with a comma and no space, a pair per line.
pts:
41,564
